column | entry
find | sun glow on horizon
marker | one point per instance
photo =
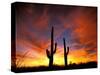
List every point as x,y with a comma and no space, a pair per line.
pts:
58,60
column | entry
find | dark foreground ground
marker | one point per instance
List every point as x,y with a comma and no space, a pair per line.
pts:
55,67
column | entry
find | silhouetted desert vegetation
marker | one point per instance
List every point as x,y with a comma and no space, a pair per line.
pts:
55,67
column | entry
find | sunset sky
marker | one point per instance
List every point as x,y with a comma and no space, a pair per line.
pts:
33,33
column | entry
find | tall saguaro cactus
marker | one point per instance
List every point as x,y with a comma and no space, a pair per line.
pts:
53,50
65,53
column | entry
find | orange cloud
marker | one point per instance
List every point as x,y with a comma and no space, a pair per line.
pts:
87,26
41,23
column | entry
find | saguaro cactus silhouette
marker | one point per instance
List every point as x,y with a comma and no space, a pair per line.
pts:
53,50
65,53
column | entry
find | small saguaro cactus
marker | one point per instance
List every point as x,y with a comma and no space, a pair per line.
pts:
65,53
52,51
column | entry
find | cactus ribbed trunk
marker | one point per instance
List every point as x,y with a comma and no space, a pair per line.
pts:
52,52
65,53
51,60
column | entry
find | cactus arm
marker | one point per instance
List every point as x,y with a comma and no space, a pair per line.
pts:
48,53
55,48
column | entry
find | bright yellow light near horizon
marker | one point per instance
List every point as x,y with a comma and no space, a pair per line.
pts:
34,62
77,60
58,60
71,60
